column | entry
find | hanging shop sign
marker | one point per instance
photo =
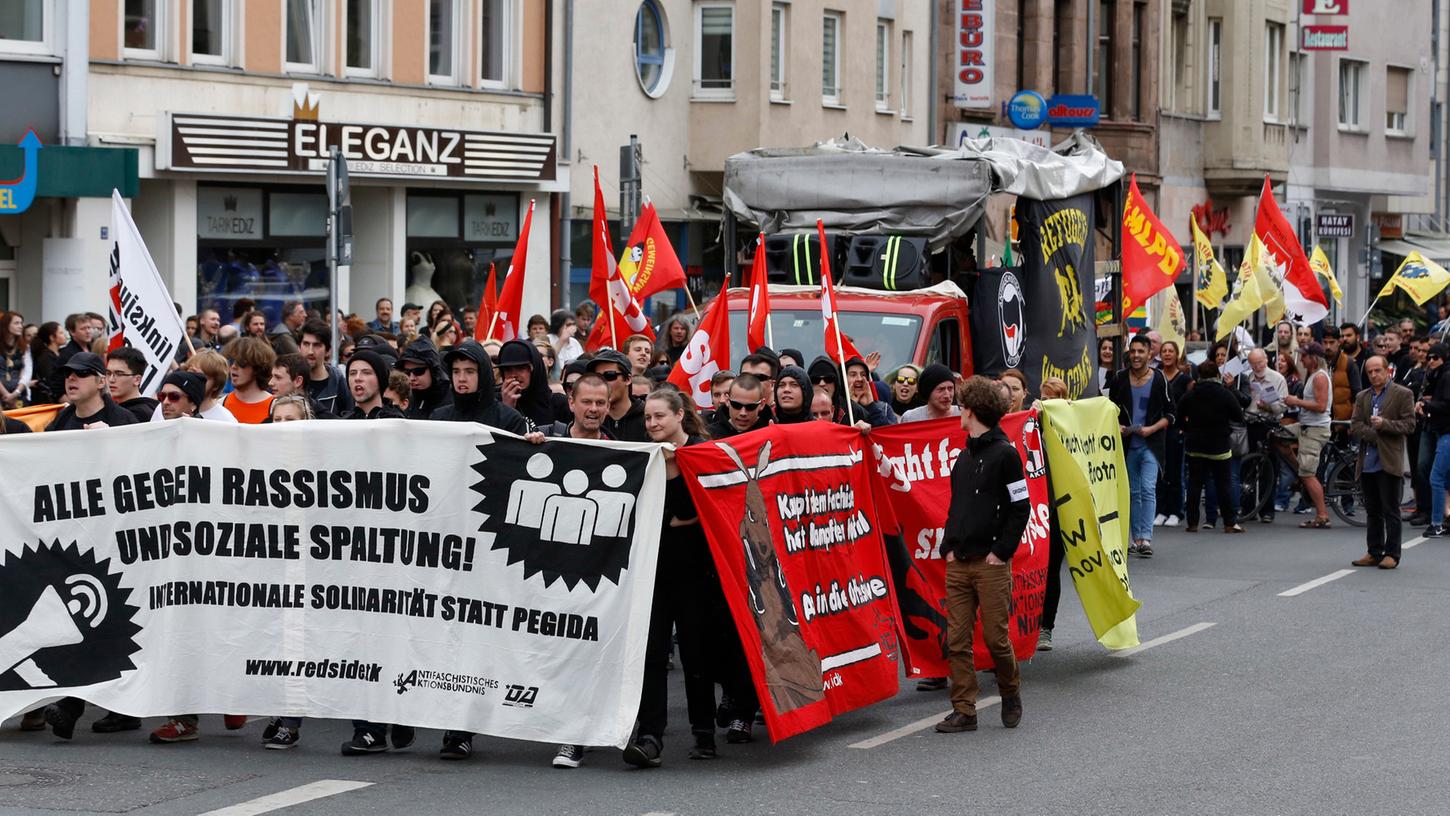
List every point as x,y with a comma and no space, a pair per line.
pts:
1028,110
1334,225
1325,37
975,54
1334,7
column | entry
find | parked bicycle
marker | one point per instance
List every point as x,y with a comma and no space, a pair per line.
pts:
1259,474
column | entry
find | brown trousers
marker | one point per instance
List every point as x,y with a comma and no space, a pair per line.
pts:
973,585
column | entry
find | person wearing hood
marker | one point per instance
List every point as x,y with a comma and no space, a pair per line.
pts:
826,375
869,409
474,398
626,414
742,412
792,357
427,381
524,383
792,396
367,378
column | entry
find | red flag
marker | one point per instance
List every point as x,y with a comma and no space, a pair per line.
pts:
838,346
488,306
507,321
759,326
649,263
1304,300
707,352
620,314
1152,258
603,264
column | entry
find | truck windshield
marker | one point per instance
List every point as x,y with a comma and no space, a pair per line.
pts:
894,335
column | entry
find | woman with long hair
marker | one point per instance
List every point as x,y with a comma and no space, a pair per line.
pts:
673,337
904,394
16,365
1106,363
45,352
1170,487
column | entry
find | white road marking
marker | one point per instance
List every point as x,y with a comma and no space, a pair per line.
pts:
320,789
1159,641
1321,581
919,725
1413,543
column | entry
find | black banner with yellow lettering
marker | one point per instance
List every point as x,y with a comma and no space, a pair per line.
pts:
1056,275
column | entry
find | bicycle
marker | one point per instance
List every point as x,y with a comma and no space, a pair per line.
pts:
1259,474
1342,490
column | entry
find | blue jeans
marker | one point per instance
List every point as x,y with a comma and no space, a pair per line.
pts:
1439,475
1143,479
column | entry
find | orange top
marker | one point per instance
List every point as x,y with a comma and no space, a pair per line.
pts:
248,413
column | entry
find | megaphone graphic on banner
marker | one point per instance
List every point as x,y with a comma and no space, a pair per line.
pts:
52,622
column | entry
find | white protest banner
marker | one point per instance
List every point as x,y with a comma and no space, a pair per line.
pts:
434,574
141,307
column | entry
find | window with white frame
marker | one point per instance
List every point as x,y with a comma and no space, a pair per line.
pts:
905,105
1215,68
210,31
301,27
1273,69
1397,101
361,40
715,50
653,56
778,57
443,41
26,26
883,65
495,24
1351,85
831,58
141,35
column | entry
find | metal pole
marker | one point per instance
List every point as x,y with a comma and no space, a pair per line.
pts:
1092,45
566,152
629,192
332,160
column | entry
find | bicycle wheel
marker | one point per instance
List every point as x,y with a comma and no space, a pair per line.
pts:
1258,478
1341,487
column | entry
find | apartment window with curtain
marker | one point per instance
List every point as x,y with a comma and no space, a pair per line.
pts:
210,31
495,25
715,50
1397,101
778,18
883,65
301,24
831,58
1103,59
1351,85
27,26
141,34
906,100
1273,69
1215,68
1135,82
360,38
443,41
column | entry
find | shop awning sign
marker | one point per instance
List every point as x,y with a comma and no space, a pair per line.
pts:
1334,225
209,143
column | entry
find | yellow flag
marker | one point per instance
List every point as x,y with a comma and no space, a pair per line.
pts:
1212,281
1319,262
1270,278
1420,277
1168,318
1247,296
1090,493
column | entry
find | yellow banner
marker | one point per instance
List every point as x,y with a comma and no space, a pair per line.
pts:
1089,482
1319,262
1212,282
1420,277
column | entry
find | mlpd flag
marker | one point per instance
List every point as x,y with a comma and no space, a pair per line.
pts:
838,346
650,264
1304,301
1210,281
507,321
1419,277
758,332
1090,500
142,314
786,511
706,353
1319,262
1151,257
912,481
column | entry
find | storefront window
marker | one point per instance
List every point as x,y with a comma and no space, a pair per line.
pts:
267,245
451,241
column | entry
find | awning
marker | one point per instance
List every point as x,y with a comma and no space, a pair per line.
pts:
76,172
1435,246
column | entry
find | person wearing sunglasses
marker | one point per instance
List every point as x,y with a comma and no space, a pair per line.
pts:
904,395
626,414
743,409
428,388
826,376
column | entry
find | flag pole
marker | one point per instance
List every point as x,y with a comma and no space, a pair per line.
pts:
841,354
691,298
1361,323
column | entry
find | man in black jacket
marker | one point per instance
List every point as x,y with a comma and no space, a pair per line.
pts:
474,398
427,381
626,414
367,378
985,521
1144,412
524,383
742,411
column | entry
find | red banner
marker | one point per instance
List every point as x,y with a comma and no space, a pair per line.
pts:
913,488
787,513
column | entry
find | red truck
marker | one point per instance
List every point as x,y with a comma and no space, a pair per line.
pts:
921,326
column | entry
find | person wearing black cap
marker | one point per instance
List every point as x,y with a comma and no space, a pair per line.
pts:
626,414
790,356
90,401
181,394
792,396
826,375
427,381
474,398
367,376
937,385
524,383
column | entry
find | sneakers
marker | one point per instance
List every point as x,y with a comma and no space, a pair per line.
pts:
1044,640
738,732
271,729
569,756
1159,519
363,742
957,722
62,721
1172,521
1145,550
1133,547
174,731
1208,525
723,711
282,738
644,752
1011,711
114,723
1433,531
456,746
1266,518
704,747
1232,528
234,722
33,720
402,736
931,684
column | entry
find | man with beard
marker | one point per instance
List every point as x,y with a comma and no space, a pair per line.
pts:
792,390
474,399
428,388
524,383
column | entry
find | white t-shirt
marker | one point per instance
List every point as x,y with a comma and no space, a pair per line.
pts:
919,413
217,412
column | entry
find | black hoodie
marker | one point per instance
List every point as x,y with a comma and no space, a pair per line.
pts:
825,365
422,404
539,404
482,406
783,417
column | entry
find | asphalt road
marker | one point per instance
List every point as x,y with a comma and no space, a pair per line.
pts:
1245,700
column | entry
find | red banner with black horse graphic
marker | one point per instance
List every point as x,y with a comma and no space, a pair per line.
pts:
787,510
912,491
